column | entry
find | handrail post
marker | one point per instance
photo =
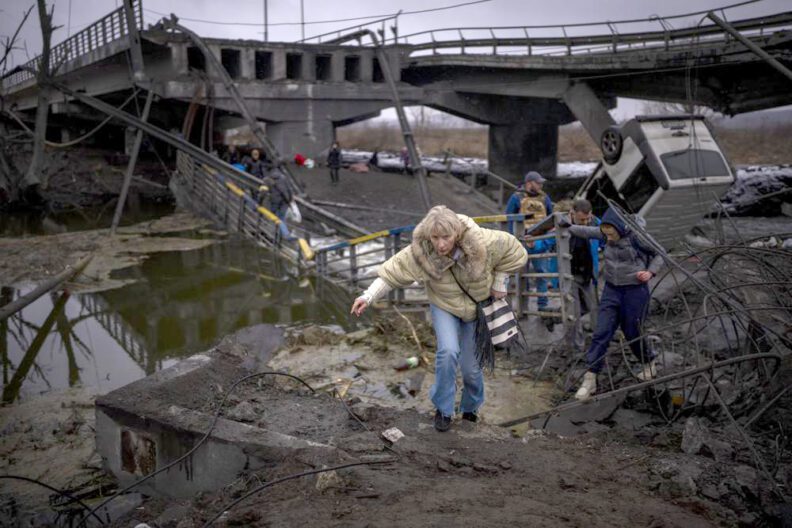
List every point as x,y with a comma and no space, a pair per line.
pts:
353,272
135,51
388,254
565,286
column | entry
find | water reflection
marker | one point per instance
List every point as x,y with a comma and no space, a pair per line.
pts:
27,223
180,304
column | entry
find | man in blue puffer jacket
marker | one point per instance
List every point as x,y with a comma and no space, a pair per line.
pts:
533,201
629,265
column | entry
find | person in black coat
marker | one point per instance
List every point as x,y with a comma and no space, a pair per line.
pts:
334,162
231,155
255,165
280,196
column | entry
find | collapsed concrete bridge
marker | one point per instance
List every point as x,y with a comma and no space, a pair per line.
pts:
523,87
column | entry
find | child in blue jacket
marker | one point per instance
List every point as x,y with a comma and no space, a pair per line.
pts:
629,265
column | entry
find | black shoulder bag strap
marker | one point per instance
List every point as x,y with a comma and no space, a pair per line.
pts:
451,269
485,351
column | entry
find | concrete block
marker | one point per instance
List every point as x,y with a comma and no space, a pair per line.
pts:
148,424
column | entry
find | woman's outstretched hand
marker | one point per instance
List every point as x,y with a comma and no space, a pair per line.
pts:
359,306
498,294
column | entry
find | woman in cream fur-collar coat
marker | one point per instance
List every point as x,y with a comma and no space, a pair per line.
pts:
446,245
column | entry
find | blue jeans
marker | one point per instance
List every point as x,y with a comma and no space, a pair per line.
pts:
624,306
540,266
456,345
281,214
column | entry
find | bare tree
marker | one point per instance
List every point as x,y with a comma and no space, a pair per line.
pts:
9,179
34,177
9,45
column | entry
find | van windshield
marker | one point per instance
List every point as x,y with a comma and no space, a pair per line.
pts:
694,163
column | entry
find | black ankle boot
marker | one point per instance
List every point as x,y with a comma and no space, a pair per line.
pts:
442,423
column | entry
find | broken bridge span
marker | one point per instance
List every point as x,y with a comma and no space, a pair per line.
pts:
522,86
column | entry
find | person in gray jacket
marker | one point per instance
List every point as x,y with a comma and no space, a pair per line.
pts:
629,265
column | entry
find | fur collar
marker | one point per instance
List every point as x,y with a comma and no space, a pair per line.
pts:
474,251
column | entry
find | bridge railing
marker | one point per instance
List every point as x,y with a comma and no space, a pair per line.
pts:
352,264
108,29
602,37
230,199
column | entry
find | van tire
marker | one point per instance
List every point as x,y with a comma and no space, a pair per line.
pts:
611,144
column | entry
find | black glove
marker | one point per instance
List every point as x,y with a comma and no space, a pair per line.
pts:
563,222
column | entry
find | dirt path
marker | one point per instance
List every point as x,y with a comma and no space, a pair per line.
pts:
475,475
389,192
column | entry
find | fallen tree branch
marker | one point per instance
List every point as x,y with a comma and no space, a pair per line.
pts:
424,359
46,286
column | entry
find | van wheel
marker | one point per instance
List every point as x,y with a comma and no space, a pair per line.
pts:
611,144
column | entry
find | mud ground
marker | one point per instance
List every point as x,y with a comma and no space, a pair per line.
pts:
477,474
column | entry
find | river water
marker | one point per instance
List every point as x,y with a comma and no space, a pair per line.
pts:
181,303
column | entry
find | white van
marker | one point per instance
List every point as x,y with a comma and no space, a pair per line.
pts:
667,169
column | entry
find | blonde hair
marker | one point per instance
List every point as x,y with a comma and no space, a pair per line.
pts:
442,221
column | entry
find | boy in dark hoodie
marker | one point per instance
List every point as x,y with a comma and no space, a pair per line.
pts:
629,265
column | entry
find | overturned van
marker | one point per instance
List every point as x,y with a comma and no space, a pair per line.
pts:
666,169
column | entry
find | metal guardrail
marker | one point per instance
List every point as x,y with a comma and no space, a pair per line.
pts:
108,29
228,198
610,41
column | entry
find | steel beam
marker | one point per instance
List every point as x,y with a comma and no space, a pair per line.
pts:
200,155
131,166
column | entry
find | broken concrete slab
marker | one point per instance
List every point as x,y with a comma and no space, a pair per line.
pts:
574,421
144,426
631,420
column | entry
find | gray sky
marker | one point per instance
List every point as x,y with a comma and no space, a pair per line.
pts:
74,15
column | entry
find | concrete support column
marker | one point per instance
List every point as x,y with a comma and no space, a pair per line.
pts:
309,138
366,66
515,149
308,66
337,66
394,62
247,64
179,59
210,68
589,109
278,64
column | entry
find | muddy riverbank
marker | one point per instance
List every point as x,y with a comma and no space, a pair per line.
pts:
622,470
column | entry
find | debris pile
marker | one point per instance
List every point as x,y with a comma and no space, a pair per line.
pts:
721,326
760,190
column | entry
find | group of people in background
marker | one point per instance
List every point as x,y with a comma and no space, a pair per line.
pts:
274,192
629,265
445,242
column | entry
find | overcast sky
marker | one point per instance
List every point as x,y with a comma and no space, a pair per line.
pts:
284,16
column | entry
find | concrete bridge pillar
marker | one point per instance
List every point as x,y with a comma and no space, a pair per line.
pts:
309,138
278,64
248,64
337,66
515,149
366,66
